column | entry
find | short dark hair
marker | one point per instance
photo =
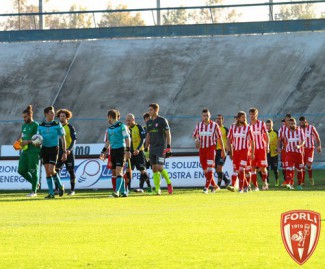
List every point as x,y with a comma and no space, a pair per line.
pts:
67,113
288,115
146,115
48,109
219,115
29,110
269,121
155,106
302,118
253,110
113,113
205,110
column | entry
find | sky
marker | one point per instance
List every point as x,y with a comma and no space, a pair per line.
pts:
247,14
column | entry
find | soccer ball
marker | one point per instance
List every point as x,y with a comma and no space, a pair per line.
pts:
37,139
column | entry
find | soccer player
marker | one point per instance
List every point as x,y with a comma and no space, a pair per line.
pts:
70,137
220,161
118,141
159,138
282,145
52,131
29,158
295,140
311,135
206,134
240,141
261,148
273,155
138,159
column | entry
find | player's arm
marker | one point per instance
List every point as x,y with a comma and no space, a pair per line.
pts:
147,143
168,138
267,139
105,149
195,136
127,140
251,137
302,141
73,136
317,138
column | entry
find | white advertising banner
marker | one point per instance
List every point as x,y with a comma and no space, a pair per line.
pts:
79,150
94,174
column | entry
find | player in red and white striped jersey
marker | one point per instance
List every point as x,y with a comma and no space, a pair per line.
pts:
295,140
206,135
282,145
262,147
311,135
240,141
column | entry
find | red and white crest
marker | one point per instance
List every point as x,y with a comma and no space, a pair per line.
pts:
300,230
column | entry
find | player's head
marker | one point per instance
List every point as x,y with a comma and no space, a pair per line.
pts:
28,114
205,115
112,116
241,118
153,109
64,115
146,117
49,113
283,122
303,122
269,125
253,113
220,120
130,120
287,119
292,123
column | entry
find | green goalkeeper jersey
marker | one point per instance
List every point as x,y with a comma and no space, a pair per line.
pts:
27,131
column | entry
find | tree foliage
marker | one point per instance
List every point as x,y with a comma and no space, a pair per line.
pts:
297,12
120,18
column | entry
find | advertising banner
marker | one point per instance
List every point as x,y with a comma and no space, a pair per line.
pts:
94,174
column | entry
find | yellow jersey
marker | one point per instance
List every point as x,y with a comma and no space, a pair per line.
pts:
273,142
224,132
70,136
138,135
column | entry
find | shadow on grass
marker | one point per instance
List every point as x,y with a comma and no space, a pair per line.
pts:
20,196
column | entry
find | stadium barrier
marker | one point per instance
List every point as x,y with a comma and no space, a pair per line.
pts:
91,173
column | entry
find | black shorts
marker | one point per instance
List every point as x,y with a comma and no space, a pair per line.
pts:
49,155
156,156
69,163
138,161
272,161
117,157
219,160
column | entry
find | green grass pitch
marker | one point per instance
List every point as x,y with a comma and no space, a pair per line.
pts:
185,230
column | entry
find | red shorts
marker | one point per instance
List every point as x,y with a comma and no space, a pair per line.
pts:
308,156
260,159
283,158
294,159
207,157
240,159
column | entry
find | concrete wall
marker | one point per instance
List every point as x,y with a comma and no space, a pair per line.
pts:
276,73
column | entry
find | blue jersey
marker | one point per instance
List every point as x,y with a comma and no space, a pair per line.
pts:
116,135
51,132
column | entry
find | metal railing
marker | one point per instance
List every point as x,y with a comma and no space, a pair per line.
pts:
158,11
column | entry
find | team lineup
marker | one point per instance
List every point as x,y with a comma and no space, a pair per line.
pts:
254,148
